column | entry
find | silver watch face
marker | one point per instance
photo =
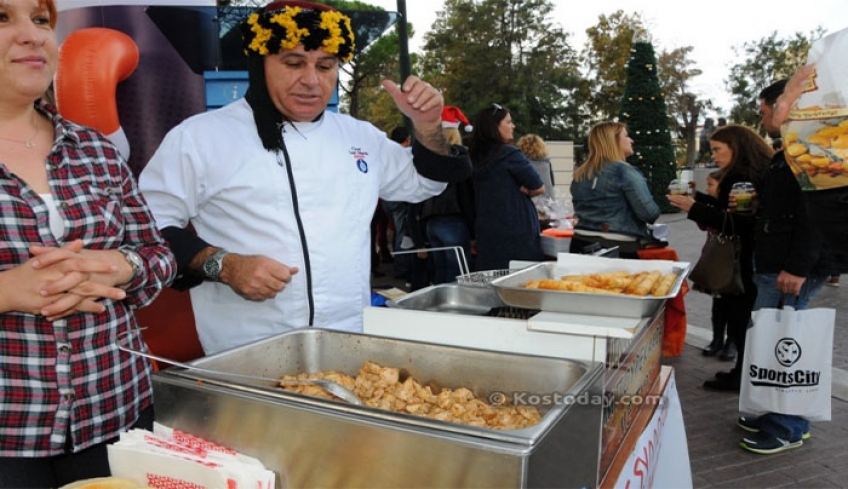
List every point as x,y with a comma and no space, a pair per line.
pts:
213,265
212,268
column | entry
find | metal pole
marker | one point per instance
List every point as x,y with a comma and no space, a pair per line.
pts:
403,40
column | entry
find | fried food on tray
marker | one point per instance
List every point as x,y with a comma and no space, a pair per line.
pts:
664,285
611,280
385,388
645,283
570,286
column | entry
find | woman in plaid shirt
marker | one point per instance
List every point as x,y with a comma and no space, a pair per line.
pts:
79,251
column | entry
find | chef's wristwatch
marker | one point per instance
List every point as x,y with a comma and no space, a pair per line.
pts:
134,259
214,264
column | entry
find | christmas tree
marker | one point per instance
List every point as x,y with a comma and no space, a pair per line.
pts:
643,110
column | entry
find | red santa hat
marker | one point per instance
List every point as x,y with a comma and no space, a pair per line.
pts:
452,116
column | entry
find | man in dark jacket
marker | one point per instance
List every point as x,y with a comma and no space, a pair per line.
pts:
791,267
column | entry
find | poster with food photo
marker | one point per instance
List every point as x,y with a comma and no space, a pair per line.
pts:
816,133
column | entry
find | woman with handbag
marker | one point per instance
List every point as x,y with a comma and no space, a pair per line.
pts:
743,156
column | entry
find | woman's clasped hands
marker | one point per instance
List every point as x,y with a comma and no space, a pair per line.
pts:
59,281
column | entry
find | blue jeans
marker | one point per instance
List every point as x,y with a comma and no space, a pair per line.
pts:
448,231
785,426
769,296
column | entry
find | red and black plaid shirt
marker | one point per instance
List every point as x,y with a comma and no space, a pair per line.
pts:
68,376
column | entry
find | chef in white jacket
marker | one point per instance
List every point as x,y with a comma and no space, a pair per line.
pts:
279,192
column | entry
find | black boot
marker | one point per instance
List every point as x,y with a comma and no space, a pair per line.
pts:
729,382
719,324
728,353
713,348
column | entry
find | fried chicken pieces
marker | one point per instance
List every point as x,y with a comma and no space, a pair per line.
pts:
383,388
653,283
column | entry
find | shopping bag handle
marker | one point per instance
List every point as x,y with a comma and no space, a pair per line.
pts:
781,303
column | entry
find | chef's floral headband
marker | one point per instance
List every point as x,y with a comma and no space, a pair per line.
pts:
271,31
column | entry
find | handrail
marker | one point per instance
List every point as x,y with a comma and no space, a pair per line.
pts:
458,250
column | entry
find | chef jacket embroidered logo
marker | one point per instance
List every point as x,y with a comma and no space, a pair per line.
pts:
360,156
787,352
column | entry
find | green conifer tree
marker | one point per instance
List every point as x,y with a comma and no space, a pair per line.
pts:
644,111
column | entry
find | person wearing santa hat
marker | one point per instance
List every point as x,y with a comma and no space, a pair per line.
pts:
452,117
448,218
281,191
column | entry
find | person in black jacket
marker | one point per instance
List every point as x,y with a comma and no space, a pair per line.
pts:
506,226
791,267
445,220
743,156
827,210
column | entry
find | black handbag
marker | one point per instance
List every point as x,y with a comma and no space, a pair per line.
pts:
717,271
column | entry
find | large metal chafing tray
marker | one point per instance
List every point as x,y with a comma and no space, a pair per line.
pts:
513,292
451,314
312,442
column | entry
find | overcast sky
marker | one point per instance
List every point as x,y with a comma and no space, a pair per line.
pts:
711,27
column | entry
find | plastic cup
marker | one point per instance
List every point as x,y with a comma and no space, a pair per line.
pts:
678,188
744,194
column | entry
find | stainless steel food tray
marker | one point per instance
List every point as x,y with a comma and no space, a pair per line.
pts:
450,298
368,447
513,292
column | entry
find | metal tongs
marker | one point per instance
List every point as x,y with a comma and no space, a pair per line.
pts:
329,386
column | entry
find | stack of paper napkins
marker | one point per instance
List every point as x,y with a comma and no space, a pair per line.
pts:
168,458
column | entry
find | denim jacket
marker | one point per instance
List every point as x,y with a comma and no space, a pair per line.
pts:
616,200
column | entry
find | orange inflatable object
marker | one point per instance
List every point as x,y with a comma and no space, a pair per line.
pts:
674,333
92,62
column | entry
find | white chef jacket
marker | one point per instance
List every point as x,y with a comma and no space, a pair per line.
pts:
212,171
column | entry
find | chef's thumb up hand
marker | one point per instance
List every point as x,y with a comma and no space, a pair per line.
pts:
256,277
418,100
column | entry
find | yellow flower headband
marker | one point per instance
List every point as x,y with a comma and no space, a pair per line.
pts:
298,23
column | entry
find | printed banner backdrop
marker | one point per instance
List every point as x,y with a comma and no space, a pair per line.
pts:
660,458
164,89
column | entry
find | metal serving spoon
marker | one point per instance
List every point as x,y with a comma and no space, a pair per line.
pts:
329,386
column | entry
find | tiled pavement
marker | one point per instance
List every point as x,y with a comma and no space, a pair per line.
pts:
714,453
710,417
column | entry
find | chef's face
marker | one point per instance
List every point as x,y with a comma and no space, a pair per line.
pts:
301,82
